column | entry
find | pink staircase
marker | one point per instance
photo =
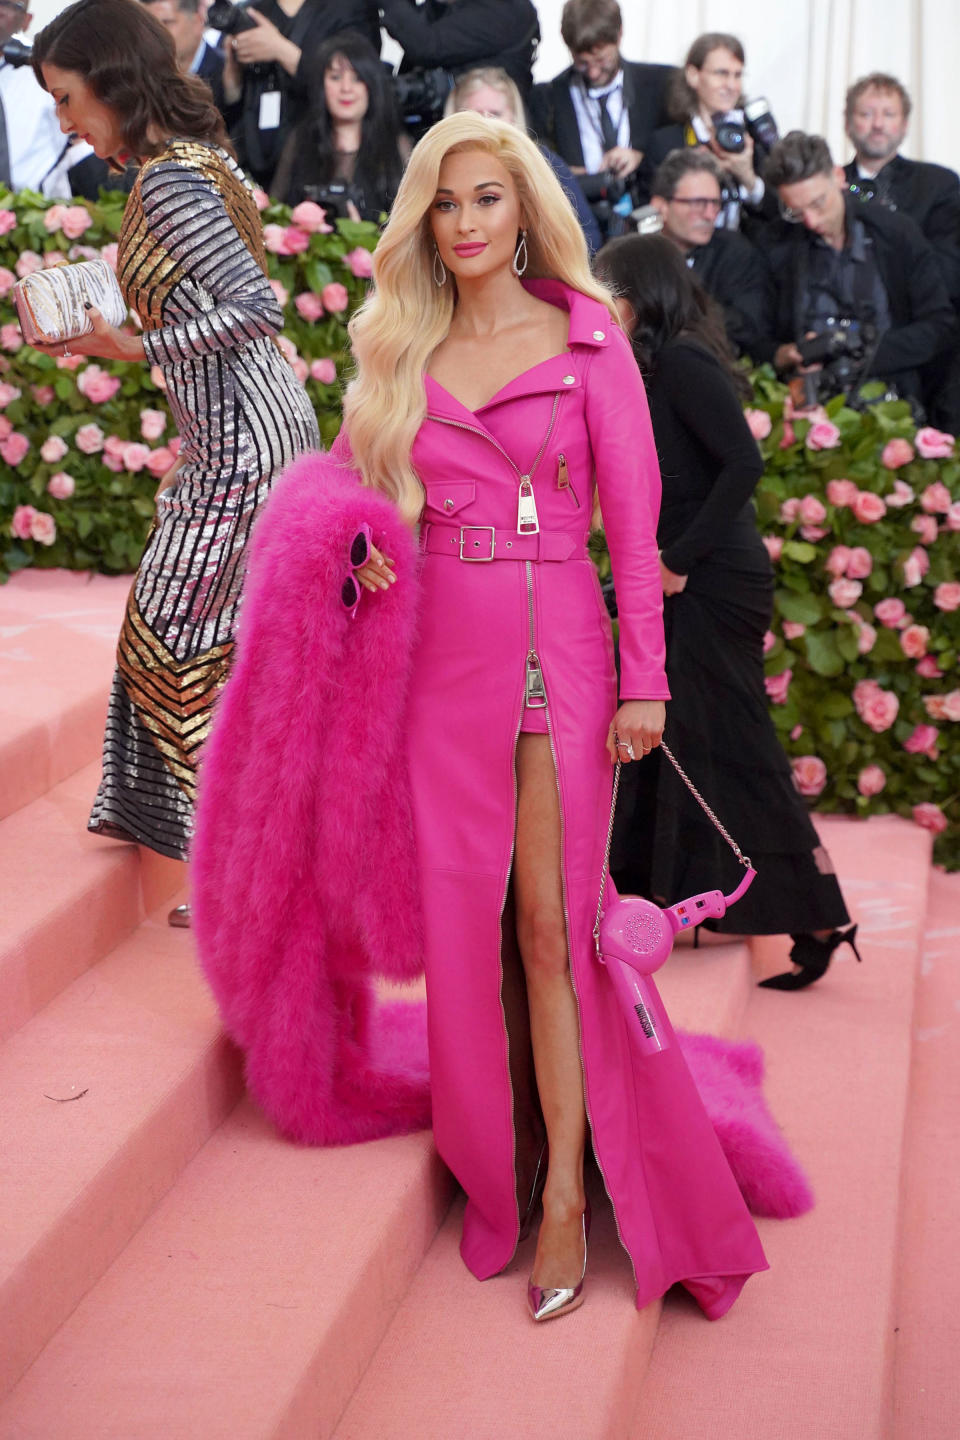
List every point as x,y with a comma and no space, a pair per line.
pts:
171,1270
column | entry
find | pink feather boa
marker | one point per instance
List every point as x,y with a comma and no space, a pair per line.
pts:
303,862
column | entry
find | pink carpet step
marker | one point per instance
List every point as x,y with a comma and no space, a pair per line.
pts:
67,897
58,635
249,1304
464,1359
806,1352
926,1389
105,1096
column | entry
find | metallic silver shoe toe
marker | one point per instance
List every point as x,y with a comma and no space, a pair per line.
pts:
547,1304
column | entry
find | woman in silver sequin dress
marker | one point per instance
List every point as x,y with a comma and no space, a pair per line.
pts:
191,264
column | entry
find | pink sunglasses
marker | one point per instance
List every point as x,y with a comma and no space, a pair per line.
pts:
351,590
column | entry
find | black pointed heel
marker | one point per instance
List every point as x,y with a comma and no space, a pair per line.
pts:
813,956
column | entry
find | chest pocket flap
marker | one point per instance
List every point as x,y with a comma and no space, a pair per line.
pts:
449,497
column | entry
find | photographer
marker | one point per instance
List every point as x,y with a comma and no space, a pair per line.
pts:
456,35
687,196
30,139
268,71
858,287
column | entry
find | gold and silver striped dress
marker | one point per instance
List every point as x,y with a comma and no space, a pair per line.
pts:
191,263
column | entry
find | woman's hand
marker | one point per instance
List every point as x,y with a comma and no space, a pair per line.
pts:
637,727
672,584
166,480
105,342
378,573
263,44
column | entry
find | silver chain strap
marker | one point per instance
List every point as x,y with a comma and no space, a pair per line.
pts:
744,859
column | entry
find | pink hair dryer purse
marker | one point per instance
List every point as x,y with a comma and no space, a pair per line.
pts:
633,937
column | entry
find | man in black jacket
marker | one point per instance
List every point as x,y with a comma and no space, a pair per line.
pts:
459,35
687,194
599,113
186,21
842,265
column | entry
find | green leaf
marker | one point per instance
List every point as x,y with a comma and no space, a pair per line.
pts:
822,653
318,275
804,609
800,550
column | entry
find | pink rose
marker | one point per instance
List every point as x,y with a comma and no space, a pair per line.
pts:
774,544
273,239
823,435
43,528
936,498
152,424
926,527
930,816
53,258
53,449
70,362
335,297
915,567
295,240
301,369
8,221
43,394
871,780
309,307
280,291
97,386
287,348
812,510
890,612
10,337
861,563
935,706
14,448
788,437
841,492
84,252
923,741
896,453
53,218
837,561
61,486
809,774
844,593
866,638
28,264
7,277
76,220
777,686
261,199
5,427
114,446
868,507
928,668
934,444
160,461
311,217
360,262
174,445
951,705
902,494
876,708
769,640
8,393
323,371
135,457
813,533
759,420
947,595
792,629
796,732
790,511
109,254
953,516
22,522
89,439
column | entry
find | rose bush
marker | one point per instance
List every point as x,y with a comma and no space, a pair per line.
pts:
83,444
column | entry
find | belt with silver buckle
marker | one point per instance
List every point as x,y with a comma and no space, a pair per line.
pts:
479,544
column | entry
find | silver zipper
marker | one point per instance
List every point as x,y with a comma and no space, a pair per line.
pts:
485,434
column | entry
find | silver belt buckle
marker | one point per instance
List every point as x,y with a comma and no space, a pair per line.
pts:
478,559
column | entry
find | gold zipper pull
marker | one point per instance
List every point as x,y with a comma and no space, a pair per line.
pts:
528,522
563,479
535,696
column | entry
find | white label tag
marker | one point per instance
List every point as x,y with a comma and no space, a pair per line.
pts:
527,520
269,110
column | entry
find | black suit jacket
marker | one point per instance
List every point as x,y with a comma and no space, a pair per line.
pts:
921,316
466,34
554,120
930,195
211,70
736,275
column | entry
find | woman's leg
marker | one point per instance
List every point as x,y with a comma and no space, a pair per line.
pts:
554,1021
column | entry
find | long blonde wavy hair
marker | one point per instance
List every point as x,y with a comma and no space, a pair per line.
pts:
406,314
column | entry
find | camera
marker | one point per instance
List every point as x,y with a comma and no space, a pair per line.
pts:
335,196
841,348
421,96
731,133
228,18
15,54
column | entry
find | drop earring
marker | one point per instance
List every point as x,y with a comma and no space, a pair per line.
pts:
519,266
439,279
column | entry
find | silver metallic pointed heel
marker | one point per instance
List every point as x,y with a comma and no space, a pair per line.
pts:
547,1304
536,1192
179,917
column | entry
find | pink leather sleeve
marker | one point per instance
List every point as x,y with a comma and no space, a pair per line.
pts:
628,482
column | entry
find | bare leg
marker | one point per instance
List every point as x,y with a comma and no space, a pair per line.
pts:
554,1022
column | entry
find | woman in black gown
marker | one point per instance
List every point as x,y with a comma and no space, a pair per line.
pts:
718,588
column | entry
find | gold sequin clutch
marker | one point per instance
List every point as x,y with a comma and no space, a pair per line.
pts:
51,303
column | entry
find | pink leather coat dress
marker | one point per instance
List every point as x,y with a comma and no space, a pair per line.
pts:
531,621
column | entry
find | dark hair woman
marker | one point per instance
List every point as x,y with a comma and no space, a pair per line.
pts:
718,583
191,264
352,137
